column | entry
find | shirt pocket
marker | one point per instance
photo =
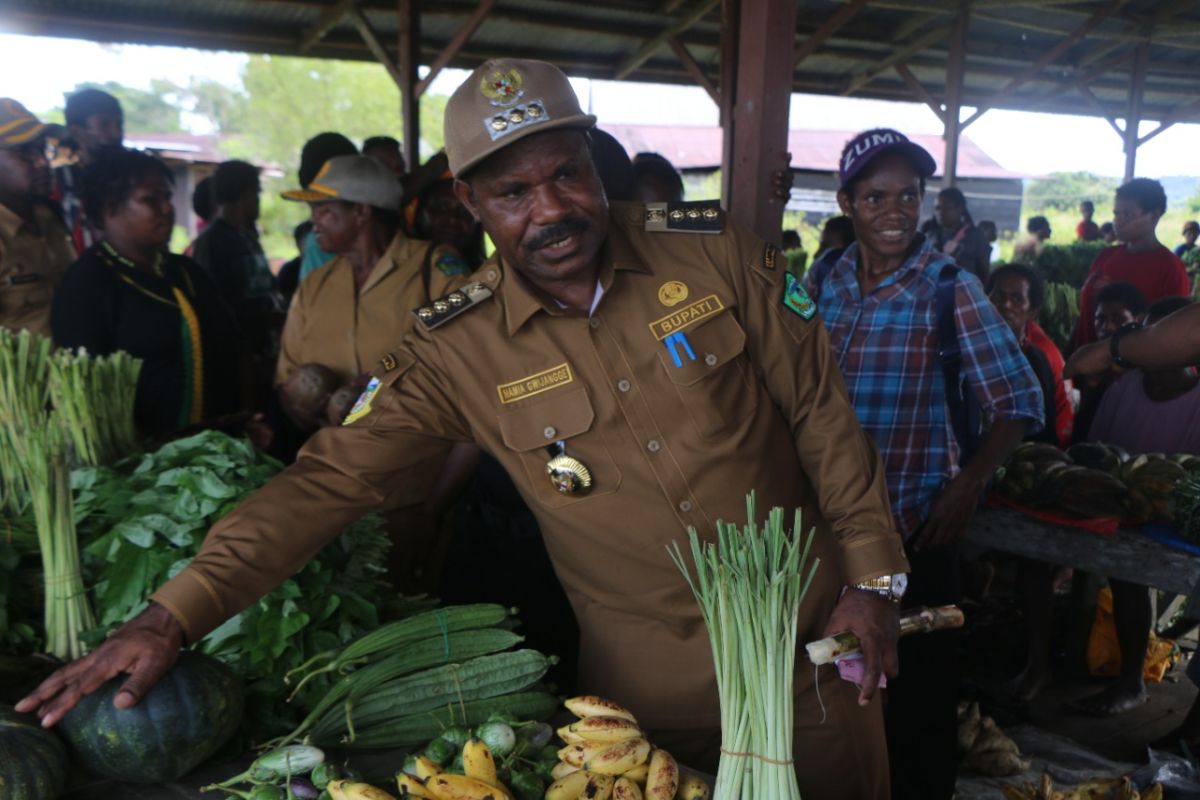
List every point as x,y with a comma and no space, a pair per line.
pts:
716,387
567,416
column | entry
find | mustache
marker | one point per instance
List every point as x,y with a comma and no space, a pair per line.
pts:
559,230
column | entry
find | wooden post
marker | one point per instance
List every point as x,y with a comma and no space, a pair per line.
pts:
727,91
956,66
409,48
766,37
1133,119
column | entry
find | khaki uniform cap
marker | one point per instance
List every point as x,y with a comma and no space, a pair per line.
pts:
17,125
503,101
354,179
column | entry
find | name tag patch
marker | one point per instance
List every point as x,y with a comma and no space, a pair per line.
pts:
21,280
688,315
535,384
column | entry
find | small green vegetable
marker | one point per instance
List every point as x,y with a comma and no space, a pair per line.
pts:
457,735
323,773
498,736
441,751
526,786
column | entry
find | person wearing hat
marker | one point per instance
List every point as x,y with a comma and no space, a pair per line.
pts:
351,312
637,370
35,249
313,155
95,123
887,303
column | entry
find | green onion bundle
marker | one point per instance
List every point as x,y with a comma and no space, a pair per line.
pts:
95,397
37,443
750,584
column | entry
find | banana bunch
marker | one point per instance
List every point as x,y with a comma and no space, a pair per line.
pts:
355,790
607,757
1105,789
479,781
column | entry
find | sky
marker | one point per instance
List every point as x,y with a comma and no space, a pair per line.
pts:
1024,142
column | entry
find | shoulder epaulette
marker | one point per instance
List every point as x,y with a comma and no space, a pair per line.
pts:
704,216
451,305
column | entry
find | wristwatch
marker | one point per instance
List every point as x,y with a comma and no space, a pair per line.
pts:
890,587
1114,345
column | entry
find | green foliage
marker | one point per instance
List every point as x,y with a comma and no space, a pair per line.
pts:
1066,190
1060,312
1067,264
153,110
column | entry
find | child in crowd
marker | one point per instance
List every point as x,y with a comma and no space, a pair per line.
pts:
1117,305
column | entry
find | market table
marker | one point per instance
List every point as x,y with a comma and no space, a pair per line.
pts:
1128,555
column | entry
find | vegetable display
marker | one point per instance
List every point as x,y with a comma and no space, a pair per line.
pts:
750,584
33,763
95,398
181,721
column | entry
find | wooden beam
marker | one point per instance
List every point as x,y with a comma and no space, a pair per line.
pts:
920,91
451,49
731,15
1047,58
693,67
760,126
1094,101
408,46
325,23
915,23
1133,119
828,28
899,57
626,67
956,67
374,44
1178,115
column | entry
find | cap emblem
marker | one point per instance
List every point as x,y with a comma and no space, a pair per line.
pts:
502,88
516,118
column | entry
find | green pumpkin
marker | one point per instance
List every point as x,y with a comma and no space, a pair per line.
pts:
183,720
33,763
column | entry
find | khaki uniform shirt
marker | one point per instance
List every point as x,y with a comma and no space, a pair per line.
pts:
761,407
33,259
332,324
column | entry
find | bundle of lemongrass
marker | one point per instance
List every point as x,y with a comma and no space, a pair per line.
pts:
750,584
94,396
38,446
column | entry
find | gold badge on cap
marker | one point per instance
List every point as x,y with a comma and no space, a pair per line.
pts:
569,475
672,293
502,87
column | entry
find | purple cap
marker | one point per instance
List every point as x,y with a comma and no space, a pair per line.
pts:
869,145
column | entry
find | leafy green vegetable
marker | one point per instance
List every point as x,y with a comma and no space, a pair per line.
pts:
1067,264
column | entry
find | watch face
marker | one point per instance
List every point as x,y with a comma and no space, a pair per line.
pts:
899,584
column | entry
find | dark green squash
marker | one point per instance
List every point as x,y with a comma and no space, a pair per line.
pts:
184,719
33,762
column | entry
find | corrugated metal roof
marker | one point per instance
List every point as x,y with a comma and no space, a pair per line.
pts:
595,38
698,147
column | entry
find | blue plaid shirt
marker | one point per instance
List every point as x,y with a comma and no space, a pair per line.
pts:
887,347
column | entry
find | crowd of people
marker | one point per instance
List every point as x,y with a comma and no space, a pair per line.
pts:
878,389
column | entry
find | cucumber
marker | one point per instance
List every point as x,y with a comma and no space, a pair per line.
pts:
418,728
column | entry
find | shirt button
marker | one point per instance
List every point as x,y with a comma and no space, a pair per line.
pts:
653,445
685,506
491,275
549,432
711,360
595,323
623,385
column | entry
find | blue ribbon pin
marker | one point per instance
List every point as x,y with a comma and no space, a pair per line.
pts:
673,343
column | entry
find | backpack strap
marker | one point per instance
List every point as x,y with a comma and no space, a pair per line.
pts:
965,416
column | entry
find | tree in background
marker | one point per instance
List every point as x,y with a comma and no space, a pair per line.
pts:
153,110
1066,190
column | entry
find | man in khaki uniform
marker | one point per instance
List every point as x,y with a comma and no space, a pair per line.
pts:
637,370
35,248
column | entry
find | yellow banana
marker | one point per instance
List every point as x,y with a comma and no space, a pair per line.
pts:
693,788
589,705
478,762
462,787
576,754
599,787
427,767
561,770
619,758
605,729
351,790
411,786
662,781
625,789
565,734
569,787
638,774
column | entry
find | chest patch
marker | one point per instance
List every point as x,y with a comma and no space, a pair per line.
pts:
688,315
362,406
543,381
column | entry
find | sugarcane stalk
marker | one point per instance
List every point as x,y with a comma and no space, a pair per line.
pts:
916,620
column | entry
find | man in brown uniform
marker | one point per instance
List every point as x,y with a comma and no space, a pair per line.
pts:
633,380
35,248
